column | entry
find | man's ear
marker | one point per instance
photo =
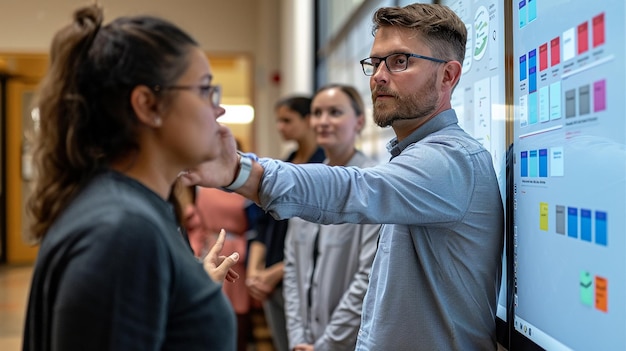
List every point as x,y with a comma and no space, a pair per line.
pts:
146,106
452,73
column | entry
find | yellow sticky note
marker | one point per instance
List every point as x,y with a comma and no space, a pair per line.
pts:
543,216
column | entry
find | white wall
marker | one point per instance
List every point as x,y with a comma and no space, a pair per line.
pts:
228,26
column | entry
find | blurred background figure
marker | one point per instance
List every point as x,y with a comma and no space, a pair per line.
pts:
327,266
265,257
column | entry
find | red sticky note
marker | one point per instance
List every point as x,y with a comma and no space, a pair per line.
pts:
598,30
555,51
543,57
583,37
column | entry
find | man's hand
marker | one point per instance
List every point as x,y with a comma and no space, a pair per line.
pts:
218,172
219,267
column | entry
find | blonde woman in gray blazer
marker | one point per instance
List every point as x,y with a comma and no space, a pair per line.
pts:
327,266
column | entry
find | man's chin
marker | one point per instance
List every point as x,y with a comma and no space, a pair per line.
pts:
383,122
383,116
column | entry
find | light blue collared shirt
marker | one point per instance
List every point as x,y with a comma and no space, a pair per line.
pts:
435,278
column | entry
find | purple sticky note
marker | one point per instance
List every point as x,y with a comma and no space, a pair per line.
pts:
599,95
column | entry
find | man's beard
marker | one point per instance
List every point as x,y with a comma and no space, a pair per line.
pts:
414,106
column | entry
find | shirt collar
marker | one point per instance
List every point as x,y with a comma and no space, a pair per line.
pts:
440,121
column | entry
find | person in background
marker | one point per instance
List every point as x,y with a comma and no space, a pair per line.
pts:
323,303
266,252
113,271
436,274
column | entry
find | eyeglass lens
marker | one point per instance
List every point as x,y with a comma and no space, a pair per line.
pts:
216,95
395,63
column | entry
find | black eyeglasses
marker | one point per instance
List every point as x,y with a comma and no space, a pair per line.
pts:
213,93
397,62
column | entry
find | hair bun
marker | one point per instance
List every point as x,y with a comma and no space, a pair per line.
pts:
89,17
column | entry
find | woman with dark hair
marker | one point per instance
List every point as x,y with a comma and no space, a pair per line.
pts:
124,109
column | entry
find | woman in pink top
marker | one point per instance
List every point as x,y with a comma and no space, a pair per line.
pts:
217,210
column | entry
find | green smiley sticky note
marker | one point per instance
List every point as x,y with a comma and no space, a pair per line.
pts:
586,288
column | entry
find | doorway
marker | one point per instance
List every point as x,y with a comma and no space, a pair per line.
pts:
21,74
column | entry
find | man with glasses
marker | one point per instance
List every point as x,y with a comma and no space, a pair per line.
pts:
436,274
